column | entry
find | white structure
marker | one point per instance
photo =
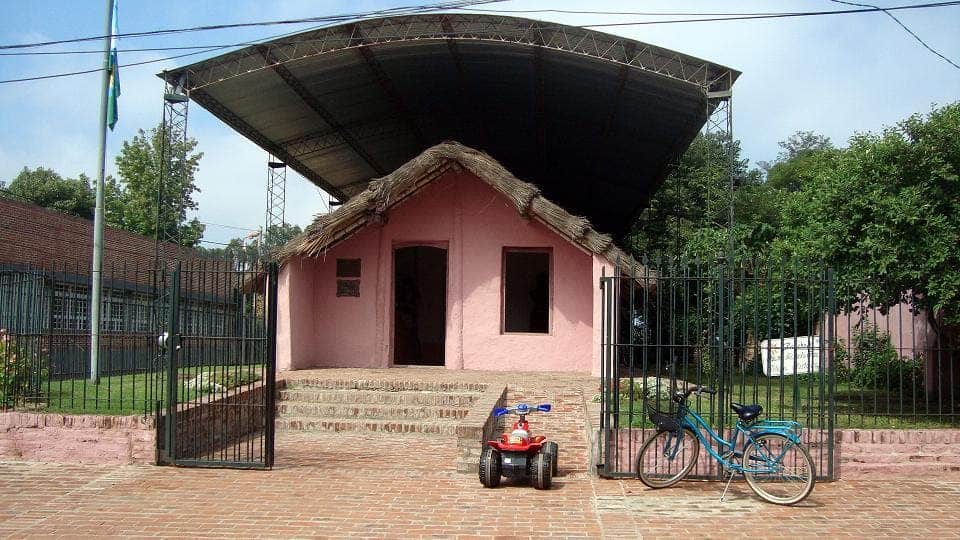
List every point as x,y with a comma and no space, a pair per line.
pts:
789,356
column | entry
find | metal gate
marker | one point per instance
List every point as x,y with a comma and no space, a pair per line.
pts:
756,333
219,361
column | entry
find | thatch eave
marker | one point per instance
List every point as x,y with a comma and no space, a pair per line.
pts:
382,194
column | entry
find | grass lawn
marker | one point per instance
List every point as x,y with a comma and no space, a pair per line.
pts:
138,392
797,399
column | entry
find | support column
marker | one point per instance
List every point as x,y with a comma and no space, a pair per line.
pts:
276,196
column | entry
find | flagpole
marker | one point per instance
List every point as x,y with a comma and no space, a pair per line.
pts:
96,277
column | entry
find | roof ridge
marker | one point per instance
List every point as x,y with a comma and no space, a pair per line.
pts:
382,194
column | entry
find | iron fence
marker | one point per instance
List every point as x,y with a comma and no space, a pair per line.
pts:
769,334
45,333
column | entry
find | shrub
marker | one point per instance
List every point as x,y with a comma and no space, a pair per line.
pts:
21,372
876,365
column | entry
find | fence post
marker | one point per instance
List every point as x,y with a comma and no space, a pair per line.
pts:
271,382
831,377
172,344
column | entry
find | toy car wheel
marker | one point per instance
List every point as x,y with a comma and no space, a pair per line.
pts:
490,467
541,471
552,449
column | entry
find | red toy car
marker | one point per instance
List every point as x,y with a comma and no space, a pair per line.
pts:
518,454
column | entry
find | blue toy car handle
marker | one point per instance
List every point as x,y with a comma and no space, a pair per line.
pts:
521,409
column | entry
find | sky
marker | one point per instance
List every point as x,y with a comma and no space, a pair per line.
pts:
835,75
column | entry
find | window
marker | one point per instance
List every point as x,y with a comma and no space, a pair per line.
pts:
526,290
70,307
348,277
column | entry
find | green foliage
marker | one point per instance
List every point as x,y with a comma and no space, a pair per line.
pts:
22,372
207,382
44,187
139,165
653,388
689,215
248,249
885,214
842,363
876,365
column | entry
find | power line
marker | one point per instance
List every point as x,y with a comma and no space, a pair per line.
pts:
400,10
220,47
95,70
228,226
774,15
737,17
886,12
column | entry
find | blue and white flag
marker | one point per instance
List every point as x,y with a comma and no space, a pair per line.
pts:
114,82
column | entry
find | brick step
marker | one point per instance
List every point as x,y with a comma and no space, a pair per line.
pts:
880,470
297,409
436,427
386,385
407,397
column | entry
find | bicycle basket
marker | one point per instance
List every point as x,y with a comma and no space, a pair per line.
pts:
663,420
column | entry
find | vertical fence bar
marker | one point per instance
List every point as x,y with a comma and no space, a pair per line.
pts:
172,346
831,377
271,361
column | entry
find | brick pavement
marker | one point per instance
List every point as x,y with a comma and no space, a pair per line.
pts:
334,485
364,485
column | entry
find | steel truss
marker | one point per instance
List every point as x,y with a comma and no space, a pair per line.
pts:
173,164
464,27
276,194
720,122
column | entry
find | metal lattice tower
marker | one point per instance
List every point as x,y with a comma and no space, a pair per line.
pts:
720,121
276,194
173,165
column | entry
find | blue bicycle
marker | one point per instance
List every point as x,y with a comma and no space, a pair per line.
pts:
774,463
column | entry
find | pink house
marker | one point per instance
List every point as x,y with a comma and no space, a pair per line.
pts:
449,260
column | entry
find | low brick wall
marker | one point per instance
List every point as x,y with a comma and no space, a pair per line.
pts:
858,453
866,453
477,427
206,428
77,438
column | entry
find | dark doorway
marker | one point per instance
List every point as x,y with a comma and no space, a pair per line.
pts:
419,305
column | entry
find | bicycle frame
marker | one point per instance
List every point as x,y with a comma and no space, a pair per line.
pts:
787,428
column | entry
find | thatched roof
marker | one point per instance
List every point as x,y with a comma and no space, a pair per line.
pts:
370,205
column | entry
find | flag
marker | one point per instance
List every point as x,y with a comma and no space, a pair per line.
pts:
114,83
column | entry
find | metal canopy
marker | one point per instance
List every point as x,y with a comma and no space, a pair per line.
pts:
593,119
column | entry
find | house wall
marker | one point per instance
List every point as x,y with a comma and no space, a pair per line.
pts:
474,223
910,334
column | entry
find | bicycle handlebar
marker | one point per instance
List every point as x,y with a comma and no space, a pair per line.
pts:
682,396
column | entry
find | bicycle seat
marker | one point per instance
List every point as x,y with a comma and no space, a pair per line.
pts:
747,413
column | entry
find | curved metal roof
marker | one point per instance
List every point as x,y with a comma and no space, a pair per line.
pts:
593,119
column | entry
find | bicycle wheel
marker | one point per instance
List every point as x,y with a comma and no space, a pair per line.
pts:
790,475
664,460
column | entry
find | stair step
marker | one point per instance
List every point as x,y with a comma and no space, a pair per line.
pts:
409,397
387,385
367,425
298,409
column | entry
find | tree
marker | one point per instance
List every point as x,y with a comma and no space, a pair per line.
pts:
139,165
249,249
885,214
798,157
802,143
689,214
44,187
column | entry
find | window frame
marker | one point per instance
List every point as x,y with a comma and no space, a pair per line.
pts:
503,288
346,282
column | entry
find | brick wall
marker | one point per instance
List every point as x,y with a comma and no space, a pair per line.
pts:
478,427
875,452
37,236
858,453
206,428
77,438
